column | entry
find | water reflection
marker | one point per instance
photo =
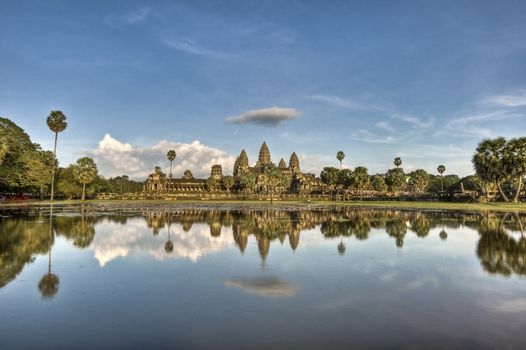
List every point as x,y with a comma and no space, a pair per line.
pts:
191,234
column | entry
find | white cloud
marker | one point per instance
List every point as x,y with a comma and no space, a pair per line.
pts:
267,116
512,100
369,137
189,46
132,17
387,126
337,101
414,121
115,158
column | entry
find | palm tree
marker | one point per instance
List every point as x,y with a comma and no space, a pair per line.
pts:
397,162
171,157
340,156
56,121
441,168
85,172
228,182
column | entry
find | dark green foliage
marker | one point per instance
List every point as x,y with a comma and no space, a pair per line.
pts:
419,179
379,184
23,164
395,179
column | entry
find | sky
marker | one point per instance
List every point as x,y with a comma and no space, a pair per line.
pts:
422,80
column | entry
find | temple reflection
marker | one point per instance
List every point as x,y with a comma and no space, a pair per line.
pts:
501,247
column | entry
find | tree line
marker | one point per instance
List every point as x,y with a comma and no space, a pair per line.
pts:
499,164
26,168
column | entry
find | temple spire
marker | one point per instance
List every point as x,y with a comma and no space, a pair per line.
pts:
282,164
264,155
294,163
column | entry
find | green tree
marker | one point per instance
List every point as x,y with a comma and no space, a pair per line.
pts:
21,161
340,156
419,180
274,179
248,182
379,184
395,179
56,121
441,168
489,163
228,182
171,157
67,185
516,159
85,172
345,178
361,179
330,176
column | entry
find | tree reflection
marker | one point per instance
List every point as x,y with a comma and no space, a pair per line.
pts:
498,251
49,283
501,247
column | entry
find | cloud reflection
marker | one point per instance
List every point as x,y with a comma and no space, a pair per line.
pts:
267,287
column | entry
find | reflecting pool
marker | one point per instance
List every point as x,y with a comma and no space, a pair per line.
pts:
207,277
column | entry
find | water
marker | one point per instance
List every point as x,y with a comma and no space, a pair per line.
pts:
211,277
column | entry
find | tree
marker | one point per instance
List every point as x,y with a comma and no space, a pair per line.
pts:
274,178
85,171
489,164
171,157
441,168
38,165
419,180
67,185
22,164
340,156
228,182
398,162
56,121
395,179
361,179
345,178
515,156
330,176
248,182
379,184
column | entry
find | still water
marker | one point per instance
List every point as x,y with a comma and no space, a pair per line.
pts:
174,276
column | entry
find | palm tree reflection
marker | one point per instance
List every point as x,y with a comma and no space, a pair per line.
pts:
49,283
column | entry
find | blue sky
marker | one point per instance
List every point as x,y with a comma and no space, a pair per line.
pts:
424,80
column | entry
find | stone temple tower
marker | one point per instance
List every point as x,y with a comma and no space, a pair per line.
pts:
241,165
264,156
294,163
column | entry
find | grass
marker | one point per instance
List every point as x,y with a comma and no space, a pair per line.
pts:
302,204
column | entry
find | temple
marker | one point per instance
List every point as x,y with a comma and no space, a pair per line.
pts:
262,178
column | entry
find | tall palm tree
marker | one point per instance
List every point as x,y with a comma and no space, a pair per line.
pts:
340,156
171,157
56,121
441,168
397,162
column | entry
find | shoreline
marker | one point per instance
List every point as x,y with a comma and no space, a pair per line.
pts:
402,205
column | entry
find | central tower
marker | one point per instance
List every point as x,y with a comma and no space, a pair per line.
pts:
264,155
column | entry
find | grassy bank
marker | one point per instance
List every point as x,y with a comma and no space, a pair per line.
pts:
300,204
